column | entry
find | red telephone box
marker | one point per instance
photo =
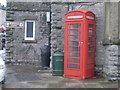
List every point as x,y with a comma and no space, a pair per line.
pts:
79,44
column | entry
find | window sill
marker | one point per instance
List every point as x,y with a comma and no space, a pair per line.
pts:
29,41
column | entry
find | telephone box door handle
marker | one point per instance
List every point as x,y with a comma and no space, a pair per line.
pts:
80,43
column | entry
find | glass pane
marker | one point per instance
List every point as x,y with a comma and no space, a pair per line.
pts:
90,38
90,48
73,48
29,29
73,60
74,54
73,43
73,37
74,66
90,32
90,60
90,66
90,54
90,43
73,32
74,25
90,26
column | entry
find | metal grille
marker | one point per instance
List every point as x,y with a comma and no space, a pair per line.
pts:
27,77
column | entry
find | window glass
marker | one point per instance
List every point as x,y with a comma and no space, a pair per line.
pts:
90,32
29,30
90,43
89,54
90,48
90,26
73,60
73,43
74,66
90,66
73,48
90,60
74,54
73,32
74,25
73,37
90,37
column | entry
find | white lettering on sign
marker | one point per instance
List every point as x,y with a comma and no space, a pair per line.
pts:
90,17
73,17
14,24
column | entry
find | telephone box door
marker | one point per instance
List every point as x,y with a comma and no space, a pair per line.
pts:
73,47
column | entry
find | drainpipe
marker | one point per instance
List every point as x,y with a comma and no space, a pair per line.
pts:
50,28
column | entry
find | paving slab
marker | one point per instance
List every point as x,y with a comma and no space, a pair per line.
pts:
109,84
92,85
30,77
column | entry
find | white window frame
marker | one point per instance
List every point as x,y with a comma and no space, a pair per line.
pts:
29,38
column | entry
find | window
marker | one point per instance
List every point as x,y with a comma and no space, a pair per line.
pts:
29,30
74,25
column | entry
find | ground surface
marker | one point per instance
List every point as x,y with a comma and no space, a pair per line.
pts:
32,77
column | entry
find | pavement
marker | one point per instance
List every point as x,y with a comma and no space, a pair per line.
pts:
0,86
28,76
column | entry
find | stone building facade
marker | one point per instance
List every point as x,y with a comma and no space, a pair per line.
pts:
2,24
2,15
20,50
107,47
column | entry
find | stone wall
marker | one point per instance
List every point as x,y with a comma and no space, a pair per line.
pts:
20,51
57,32
2,15
57,26
111,62
111,40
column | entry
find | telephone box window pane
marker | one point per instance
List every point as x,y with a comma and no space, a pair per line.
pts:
90,32
90,43
29,29
74,25
73,60
89,54
74,66
90,48
73,43
74,54
90,26
73,48
73,37
90,66
73,32
90,60
90,38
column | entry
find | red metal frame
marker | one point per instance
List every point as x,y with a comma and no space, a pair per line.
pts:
77,63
